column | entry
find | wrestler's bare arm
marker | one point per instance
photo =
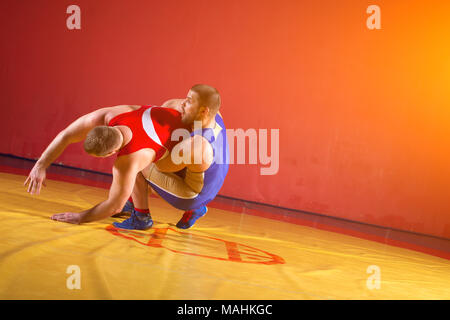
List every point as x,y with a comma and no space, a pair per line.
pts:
201,156
124,177
125,170
73,133
174,104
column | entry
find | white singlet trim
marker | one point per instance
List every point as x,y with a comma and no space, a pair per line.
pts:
147,123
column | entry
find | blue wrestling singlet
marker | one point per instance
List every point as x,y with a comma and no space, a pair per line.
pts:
213,177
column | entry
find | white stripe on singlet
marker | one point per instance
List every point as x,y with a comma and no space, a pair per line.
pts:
147,123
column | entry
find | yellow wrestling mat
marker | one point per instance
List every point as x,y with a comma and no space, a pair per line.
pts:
226,255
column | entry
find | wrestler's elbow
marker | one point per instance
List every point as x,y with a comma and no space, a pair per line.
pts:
116,210
115,206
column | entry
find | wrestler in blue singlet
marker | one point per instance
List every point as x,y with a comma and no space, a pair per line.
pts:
213,177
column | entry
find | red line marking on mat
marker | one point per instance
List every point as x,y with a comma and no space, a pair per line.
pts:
157,237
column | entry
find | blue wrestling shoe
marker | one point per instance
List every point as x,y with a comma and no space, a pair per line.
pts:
137,221
189,217
128,207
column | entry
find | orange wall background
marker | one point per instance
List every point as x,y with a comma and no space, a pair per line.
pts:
364,115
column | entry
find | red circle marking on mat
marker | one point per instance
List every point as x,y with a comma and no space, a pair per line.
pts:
236,252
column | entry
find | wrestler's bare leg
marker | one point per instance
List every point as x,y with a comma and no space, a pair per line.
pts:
140,217
139,196
140,192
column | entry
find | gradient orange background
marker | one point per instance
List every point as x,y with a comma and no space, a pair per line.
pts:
363,114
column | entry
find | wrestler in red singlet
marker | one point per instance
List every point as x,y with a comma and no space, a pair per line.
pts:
152,127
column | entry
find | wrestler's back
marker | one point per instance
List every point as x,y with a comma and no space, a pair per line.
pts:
112,112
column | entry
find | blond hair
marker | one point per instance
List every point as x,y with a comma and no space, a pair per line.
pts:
101,141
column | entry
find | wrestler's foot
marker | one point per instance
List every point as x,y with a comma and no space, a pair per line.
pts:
137,221
127,208
190,217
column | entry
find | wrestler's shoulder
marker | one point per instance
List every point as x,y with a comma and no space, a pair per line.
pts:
110,112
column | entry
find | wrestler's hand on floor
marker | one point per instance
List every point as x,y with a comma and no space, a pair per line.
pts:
36,179
69,217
